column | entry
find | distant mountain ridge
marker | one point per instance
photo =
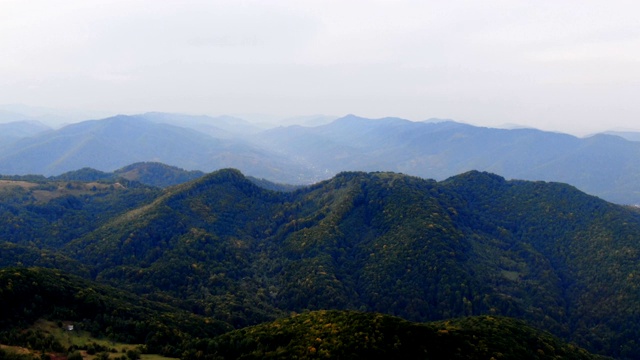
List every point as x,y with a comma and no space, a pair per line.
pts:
148,173
629,135
16,130
603,165
112,143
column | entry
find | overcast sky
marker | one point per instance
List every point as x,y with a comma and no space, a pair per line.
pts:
571,66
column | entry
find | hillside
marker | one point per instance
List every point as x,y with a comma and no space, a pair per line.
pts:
41,213
31,294
222,247
32,297
116,142
12,131
629,135
354,335
223,127
148,173
602,165
382,242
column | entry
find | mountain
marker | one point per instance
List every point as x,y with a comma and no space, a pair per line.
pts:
311,120
49,116
15,130
353,335
225,127
148,173
10,116
474,244
629,135
20,129
606,166
112,143
157,174
603,165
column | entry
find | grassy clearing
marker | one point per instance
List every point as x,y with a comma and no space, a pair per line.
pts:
80,339
46,192
11,183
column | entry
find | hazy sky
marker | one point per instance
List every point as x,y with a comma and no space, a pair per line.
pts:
572,66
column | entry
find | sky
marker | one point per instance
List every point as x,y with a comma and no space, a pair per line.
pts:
569,66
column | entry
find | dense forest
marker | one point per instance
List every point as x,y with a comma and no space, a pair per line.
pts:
355,335
29,294
36,293
237,252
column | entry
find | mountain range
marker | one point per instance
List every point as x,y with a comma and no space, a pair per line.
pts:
208,238
604,165
222,247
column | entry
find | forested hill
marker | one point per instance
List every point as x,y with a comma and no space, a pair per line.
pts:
474,244
419,249
36,303
354,335
31,294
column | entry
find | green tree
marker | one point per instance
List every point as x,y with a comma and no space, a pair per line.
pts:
133,354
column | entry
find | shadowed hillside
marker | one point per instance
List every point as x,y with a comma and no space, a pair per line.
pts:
36,296
420,249
353,335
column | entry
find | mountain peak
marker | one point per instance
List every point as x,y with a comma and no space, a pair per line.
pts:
224,177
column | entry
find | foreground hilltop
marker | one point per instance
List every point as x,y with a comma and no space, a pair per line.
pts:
474,244
33,300
354,335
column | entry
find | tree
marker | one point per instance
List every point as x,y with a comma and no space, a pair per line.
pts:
133,354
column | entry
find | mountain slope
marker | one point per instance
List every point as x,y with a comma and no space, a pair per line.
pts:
156,174
13,131
113,143
629,135
20,129
30,294
423,250
607,166
353,335
47,214
223,127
